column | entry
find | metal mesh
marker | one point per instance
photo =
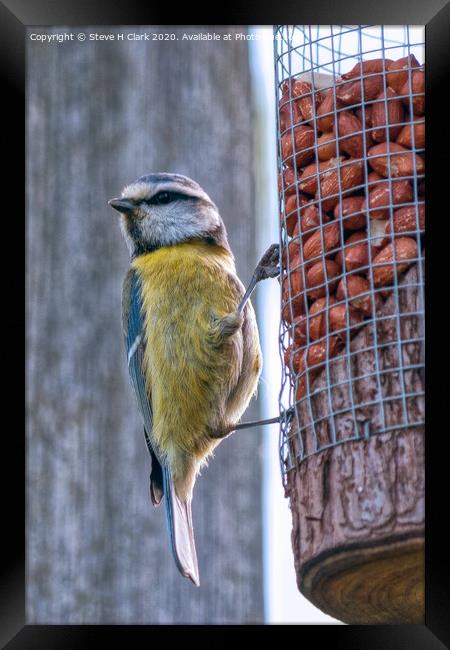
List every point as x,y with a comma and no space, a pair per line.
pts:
351,333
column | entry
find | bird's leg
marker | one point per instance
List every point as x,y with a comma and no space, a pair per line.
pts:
268,267
222,328
285,417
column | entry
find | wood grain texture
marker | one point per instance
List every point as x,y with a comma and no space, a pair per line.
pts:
358,507
100,115
377,585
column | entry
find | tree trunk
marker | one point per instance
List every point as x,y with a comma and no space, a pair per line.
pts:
100,114
358,507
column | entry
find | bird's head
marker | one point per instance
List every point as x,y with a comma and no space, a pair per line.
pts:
164,209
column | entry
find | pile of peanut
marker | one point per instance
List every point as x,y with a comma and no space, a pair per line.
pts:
353,209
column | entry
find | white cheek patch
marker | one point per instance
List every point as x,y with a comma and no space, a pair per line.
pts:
167,227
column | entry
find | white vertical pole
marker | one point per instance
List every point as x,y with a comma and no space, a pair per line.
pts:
283,603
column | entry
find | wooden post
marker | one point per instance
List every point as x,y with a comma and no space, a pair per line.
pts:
358,507
100,114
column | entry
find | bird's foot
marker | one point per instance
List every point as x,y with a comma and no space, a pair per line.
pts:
269,264
268,267
289,415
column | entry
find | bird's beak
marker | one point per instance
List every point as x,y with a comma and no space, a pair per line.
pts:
122,205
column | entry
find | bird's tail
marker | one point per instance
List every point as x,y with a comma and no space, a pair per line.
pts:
181,532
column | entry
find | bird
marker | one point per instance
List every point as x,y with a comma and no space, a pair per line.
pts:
191,338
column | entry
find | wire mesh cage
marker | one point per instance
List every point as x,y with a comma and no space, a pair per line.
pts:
351,138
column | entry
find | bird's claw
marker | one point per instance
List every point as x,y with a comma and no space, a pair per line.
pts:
289,415
268,266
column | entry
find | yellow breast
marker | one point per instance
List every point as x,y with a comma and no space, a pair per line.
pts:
186,275
183,286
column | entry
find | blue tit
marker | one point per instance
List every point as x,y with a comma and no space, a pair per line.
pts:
192,345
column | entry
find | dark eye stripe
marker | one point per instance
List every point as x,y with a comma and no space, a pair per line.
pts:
166,197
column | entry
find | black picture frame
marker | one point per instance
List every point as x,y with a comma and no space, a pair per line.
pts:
15,16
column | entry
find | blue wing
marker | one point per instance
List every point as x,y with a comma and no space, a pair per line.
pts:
134,344
178,513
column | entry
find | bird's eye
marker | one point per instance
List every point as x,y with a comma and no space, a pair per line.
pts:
162,197
165,197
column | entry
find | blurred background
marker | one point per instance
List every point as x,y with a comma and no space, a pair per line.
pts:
101,113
